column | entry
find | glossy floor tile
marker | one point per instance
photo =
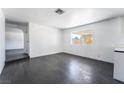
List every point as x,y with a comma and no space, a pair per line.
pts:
59,68
15,54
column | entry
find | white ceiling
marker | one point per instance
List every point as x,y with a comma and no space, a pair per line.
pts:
71,18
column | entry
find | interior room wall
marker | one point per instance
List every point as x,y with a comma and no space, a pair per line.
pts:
2,41
14,38
26,38
106,35
121,40
44,40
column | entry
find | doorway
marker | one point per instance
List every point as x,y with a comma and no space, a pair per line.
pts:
17,40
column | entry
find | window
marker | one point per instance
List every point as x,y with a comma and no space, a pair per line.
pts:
82,38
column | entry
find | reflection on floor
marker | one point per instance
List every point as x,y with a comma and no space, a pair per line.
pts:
15,54
58,69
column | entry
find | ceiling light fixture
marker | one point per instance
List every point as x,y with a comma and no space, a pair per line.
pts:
59,11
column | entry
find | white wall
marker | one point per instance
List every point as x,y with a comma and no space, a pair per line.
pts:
2,41
106,35
44,40
14,38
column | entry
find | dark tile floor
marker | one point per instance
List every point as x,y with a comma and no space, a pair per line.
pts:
15,54
58,69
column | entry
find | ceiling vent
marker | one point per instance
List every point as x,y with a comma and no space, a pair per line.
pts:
59,11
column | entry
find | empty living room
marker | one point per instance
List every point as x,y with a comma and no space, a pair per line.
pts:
61,45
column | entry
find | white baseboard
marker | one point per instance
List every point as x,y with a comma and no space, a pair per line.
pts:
45,54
